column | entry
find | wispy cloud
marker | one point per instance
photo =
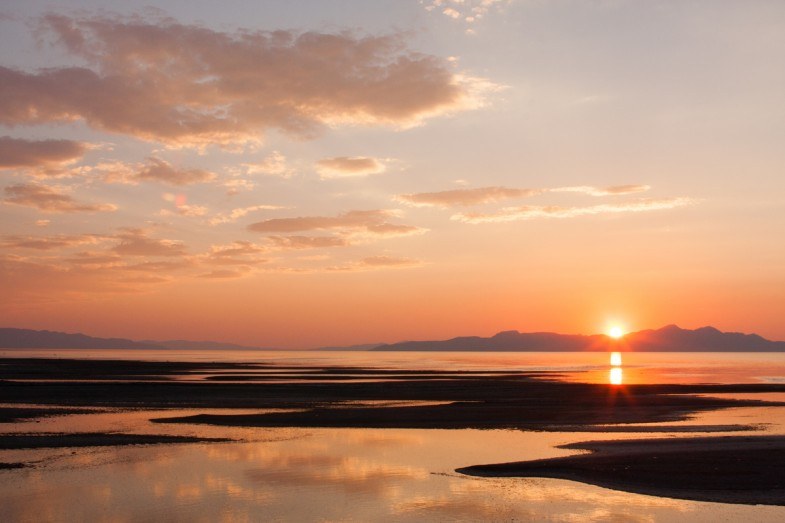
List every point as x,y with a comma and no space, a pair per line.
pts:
372,222
349,166
137,242
158,170
237,253
465,197
17,152
466,11
49,199
236,214
530,212
274,164
47,243
226,274
307,242
178,87
604,191
152,170
484,195
376,262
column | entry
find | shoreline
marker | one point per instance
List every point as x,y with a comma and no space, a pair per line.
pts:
722,469
423,399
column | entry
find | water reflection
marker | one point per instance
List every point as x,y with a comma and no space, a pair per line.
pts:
616,375
337,474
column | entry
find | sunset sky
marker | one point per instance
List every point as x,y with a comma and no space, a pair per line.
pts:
306,173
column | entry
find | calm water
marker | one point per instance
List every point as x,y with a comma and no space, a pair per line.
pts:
642,367
361,474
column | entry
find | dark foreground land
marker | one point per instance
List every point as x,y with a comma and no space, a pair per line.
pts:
737,469
740,469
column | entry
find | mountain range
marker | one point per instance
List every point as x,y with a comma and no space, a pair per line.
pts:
667,339
670,338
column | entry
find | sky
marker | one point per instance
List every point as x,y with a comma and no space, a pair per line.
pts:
295,174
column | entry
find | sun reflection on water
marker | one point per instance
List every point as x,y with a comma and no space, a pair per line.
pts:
616,375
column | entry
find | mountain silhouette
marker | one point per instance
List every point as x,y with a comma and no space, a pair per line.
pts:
30,339
670,338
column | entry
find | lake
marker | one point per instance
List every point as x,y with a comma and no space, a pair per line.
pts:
346,474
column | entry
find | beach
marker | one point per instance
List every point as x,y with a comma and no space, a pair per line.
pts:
737,469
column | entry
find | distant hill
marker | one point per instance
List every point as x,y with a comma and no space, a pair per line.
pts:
198,345
667,339
30,339
33,339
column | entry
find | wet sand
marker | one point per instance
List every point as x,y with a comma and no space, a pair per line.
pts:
740,470
93,439
467,399
734,469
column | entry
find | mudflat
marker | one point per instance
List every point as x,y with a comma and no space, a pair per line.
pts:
740,469
729,469
363,397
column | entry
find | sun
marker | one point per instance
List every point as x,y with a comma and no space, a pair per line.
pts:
616,332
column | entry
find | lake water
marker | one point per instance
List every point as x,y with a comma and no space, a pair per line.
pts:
294,474
592,367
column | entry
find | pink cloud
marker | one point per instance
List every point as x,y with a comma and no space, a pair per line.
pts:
465,197
136,242
49,199
349,220
17,152
377,262
530,212
46,243
180,84
356,225
307,242
348,166
158,170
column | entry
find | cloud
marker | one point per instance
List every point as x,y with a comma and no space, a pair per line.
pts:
236,253
188,85
46,243
234,186
17,152
349,220
181,207
273,164
530,212
158,170
388,261
606,191
226,274
350,228
482,195
157,267
153,170
48,199
347,167
136,242
307,242
377,262
95,259
467,11
186,210
464,197
236,214
41,281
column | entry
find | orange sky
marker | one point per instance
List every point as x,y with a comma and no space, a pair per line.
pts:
291,177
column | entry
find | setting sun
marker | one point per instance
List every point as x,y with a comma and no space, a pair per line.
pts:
616,332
